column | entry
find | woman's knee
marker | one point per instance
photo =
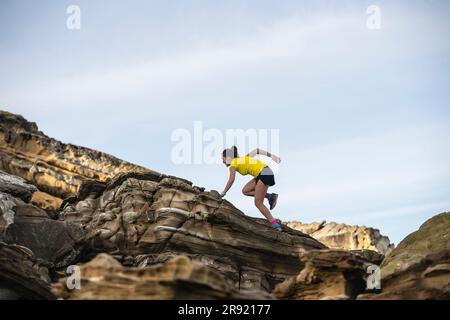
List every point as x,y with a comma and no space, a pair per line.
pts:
259,202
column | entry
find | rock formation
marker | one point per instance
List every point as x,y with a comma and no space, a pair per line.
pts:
342,236
57,242
136,233
53,167
427,279
179,278
432,237
419,268
140,216
16,186
22,275
327,275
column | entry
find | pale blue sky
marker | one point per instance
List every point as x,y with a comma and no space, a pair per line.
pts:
363,114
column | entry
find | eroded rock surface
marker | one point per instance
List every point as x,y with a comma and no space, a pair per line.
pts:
140,234
327,275
16,186
58,243
178,278
22,275
139,216
419,268
429,278
52,166
432,237
341,236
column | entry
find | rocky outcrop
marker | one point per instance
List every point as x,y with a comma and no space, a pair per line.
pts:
47,202
419,268
16,186
138,217
341,236
53,167
432,237
19,188
426,279
178,278
327,275
139,234
58,243
369,256
22,275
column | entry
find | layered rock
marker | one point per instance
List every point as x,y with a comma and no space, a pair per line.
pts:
138,217
140,234
327,275
429,278
432,237
22,275
178,278
53,167
46,201
58,243
419,268
341,236
16,186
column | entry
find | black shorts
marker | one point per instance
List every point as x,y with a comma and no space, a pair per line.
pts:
266,176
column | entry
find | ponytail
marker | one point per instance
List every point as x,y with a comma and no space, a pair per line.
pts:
231,152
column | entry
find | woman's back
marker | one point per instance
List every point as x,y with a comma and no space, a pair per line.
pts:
248,165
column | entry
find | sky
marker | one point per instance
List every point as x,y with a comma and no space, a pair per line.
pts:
362,114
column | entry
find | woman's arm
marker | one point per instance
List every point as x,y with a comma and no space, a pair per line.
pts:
230,181
264,153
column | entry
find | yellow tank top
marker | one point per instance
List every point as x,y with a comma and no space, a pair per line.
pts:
248,165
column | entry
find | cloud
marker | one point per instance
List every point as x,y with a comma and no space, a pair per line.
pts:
292,38
302,42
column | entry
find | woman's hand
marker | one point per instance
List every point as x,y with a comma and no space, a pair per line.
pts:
276,159
230,181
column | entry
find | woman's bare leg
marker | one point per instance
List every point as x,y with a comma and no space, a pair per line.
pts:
249,188
260,192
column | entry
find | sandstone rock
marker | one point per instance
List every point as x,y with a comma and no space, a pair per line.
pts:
154,236
432,237
428,278
143,215
16,186
177,278
369,256
308,228
56,242
22,276
45,201
52,166
327,275
341,236
419,268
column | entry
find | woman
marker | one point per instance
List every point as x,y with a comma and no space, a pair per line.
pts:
258,186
